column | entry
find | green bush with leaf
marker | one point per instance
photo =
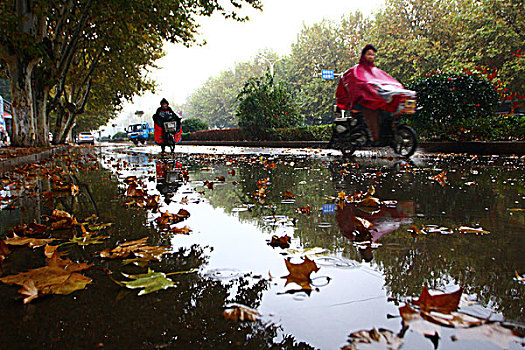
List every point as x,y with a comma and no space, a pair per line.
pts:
264,104
447,102
193,124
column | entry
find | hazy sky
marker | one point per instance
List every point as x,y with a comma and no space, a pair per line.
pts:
183,70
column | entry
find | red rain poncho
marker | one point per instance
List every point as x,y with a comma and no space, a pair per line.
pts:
356,86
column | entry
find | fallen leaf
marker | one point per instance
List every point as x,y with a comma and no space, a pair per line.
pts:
287,195
520,279
444,303
283,242
138,248
373,339
300,273
29,291
238,312
184,230
88,239
150,282
32,242
304,210
477,231
58,277
413,320
492,332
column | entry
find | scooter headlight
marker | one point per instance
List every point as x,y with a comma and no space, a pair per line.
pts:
340,129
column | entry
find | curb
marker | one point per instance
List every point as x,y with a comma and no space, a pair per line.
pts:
9,164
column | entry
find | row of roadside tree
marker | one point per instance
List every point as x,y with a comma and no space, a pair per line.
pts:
416,39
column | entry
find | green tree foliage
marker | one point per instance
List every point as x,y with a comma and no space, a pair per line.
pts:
52,50
214,101
325,45
447,101
265,104
193,124
414,37
492,33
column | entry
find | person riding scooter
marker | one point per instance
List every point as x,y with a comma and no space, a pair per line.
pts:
163,114
358,91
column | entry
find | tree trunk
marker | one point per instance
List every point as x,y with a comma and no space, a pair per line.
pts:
40,95
24,122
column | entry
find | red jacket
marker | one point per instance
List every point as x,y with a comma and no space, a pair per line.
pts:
356,86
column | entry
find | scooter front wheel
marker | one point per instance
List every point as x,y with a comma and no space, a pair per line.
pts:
405,141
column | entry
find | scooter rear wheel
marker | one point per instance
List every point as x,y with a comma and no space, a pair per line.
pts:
405,141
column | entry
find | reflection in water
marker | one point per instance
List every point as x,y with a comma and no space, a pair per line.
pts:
359,269
367,227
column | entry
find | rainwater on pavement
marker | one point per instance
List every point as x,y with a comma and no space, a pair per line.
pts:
378,228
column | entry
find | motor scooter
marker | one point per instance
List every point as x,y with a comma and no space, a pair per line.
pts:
350,131
169,134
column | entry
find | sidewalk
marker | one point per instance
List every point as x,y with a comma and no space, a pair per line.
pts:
11,157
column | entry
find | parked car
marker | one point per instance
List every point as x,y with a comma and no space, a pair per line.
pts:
86,137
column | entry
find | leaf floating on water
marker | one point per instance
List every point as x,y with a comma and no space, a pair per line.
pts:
414,321
138,248
88,239
373,339
283,242
180,231
520,279
300,273
444,303
287,195
32,242
238,312
477,231
304,210
492,332
440,178
149,282
58,277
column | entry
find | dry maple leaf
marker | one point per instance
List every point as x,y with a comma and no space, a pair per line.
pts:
304,210
444,303
300,273
380,339
32,242
283,242
287,195
29,291
58,277
238,312
184,230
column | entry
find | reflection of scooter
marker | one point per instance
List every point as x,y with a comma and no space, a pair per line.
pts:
351,132
384,220
169,178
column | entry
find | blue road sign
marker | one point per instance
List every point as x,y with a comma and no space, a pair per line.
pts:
327,74
328,208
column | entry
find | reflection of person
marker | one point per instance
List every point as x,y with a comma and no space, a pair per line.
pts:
163,114
383,221
357,90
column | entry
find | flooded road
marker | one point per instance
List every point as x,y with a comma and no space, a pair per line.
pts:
366,235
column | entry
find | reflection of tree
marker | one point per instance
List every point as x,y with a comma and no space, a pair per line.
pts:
483,265
187,316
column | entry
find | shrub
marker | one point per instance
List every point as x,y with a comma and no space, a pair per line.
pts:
193,124
263,105
120,136
447,101
302,133
235,134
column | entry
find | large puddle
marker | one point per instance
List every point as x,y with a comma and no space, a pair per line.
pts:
444,222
